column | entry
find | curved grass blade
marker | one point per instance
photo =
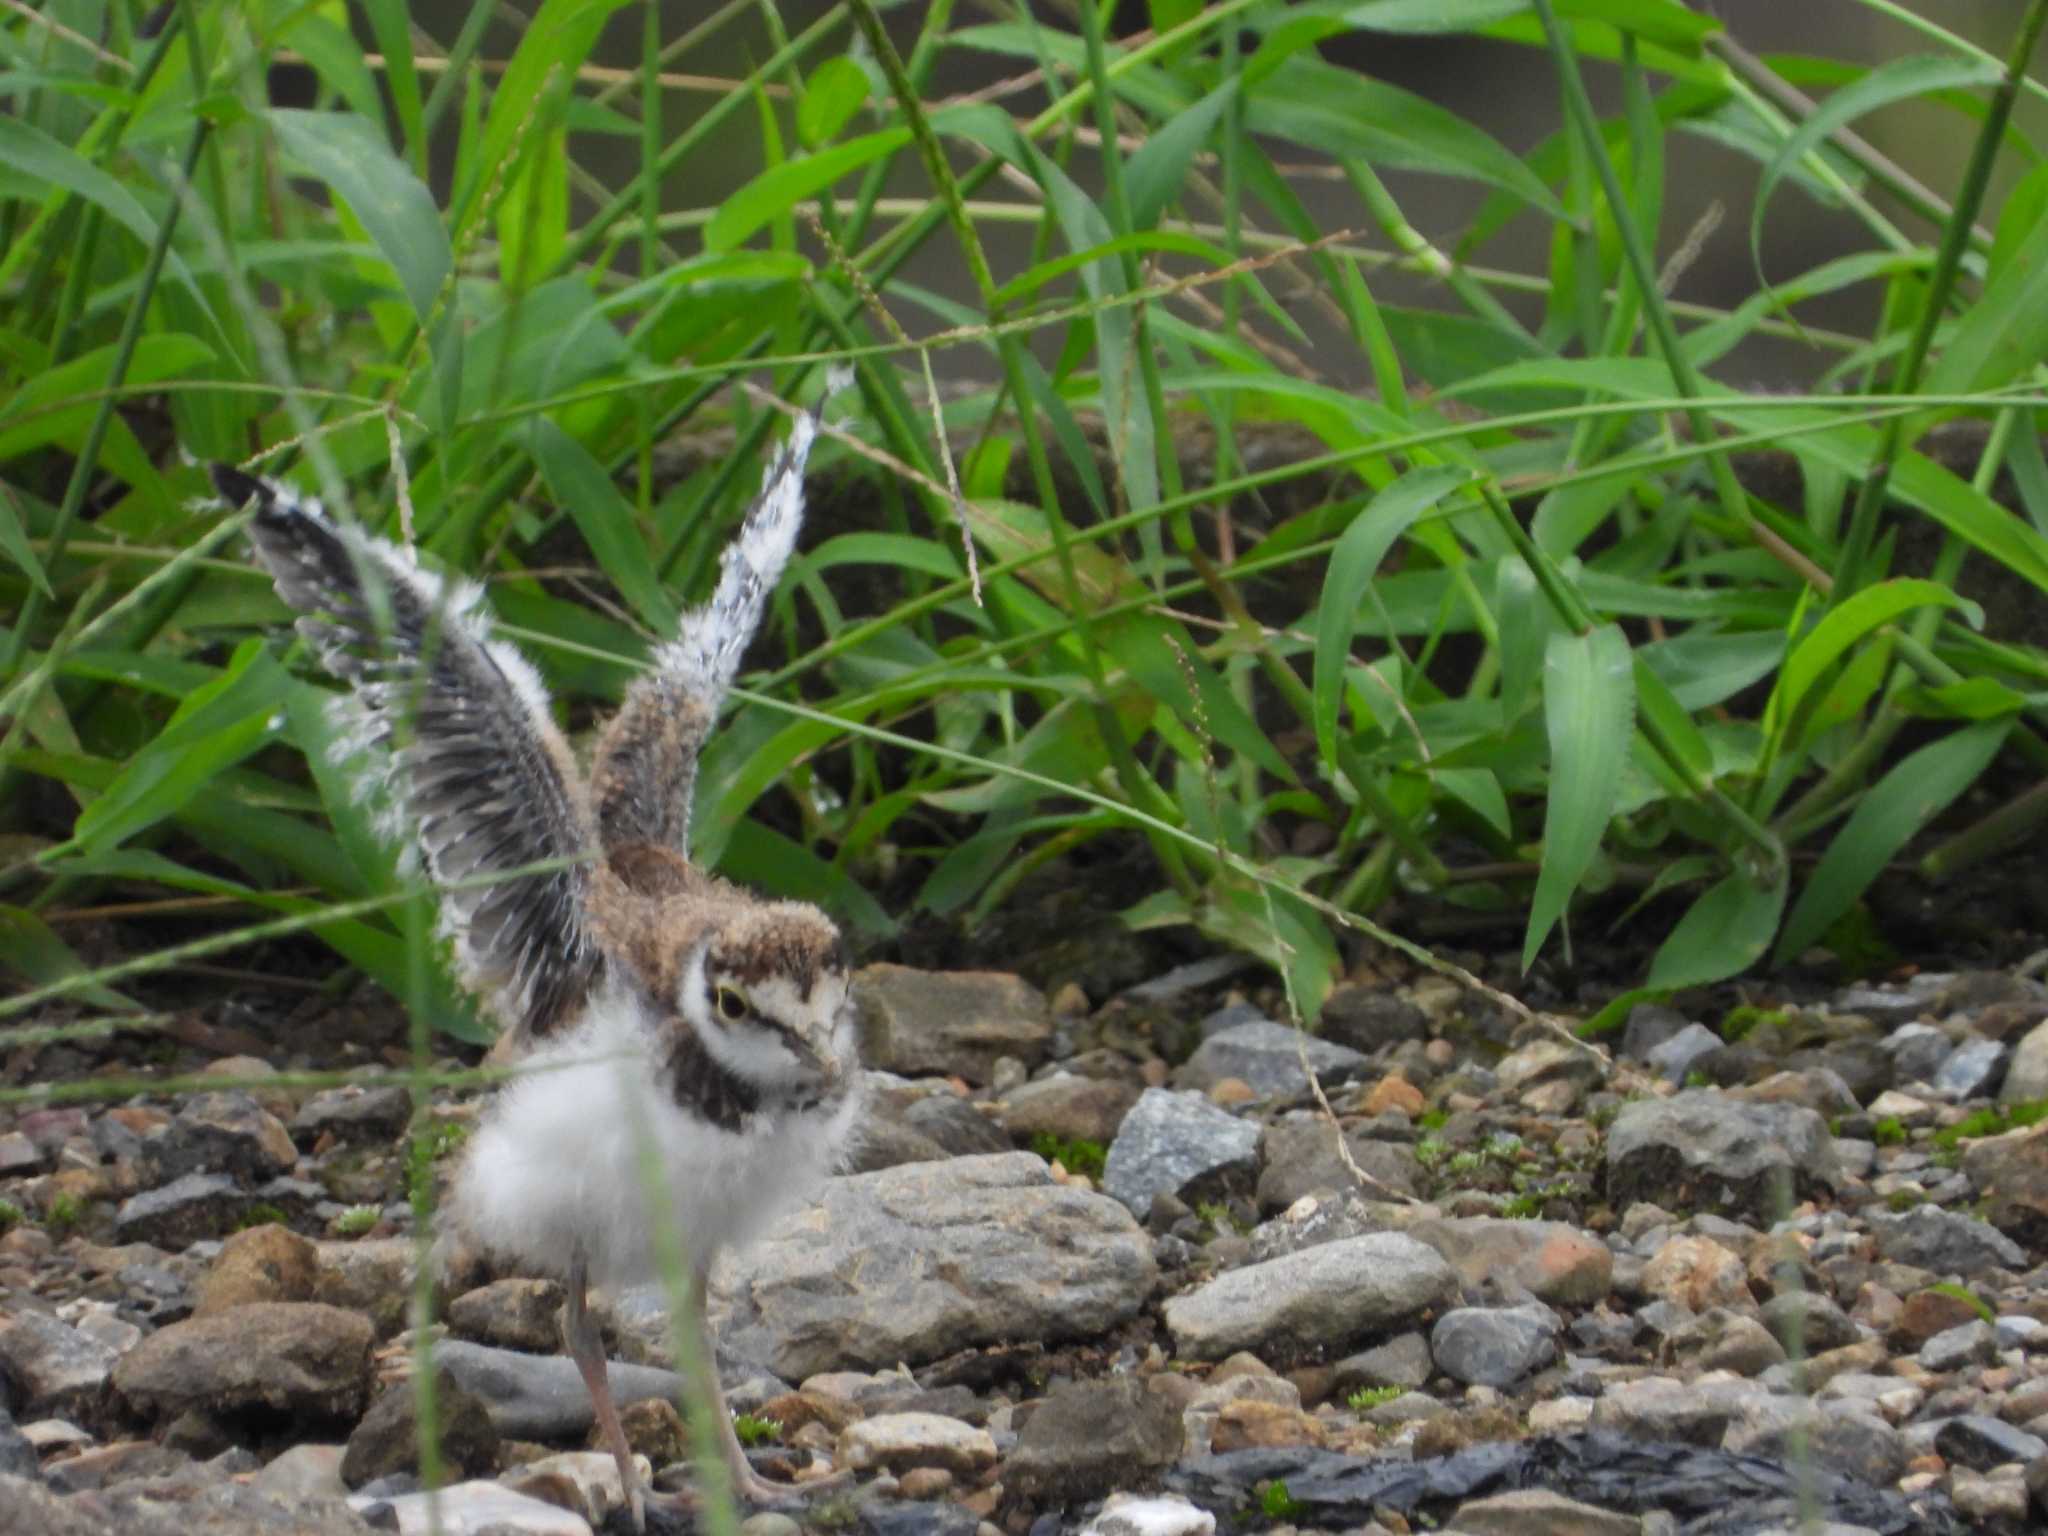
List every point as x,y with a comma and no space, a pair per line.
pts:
1725,932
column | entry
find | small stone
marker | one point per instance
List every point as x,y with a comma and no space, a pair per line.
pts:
1301,1158
1971,1070
477,1509
1723,1339
2026,1077
1232,1093
1808,1323
1703,1150
1179,1144
1167,1515
1926,1313
901,1440
1403,1361
1395,1094
309,1471
265,1263
954,1023
387,1439
1250,1424
1068,1107
1947,1242
1268,1056
511,1314
586,1482
1698,1273
2000,1503
1978,1441
1539,1512
182,1212
1494,1346
541,1397
299,1358
925,1483
1953,1349
1321,1298
1551,1260
1674,1059
373,1276
1089,1437
653,1429
55,1369
18,1155
354,1115
105,1465
220,1133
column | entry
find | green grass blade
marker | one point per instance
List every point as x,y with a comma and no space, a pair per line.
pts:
1589,715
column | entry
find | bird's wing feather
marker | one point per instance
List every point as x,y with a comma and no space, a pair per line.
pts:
645,767
484,783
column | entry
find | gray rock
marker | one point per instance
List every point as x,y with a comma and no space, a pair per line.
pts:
1808,1323
1069,1107
1268,1056
1182,1145
1403,1361
56,1371
955,1023
1321,1299
541,1397
477,1508
1539,1512
1946,1242
1301,1158
302,1359
911,1264
1660,1408
1722,1339
142,1509
1972,1343
226,1133
512,1314
1369,1018
1971,1070
1674,1059
886,1517
1891,1005
1917,1051
1701,1149
183,1212
2026,1079
1980,1442
18,1155
1649,1026
354,1114
1842,1435
955,1126
17,1456
1494,1346
387,1440
1091,1437
1508,1257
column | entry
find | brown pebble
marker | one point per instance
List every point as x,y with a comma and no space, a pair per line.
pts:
1231,1091
1396,1094
266,1263
925,1483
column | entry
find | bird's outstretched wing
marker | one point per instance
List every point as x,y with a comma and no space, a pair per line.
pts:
645,767
479,778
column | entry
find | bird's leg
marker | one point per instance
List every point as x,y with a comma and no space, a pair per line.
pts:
586,1348
747,1484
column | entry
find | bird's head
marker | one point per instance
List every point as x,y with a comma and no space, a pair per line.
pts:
765,990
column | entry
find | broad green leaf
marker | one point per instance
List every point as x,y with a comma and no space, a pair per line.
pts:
30,947
215,728
1589,715
608,523
836,90
391,24
392,204
1722,934
1900,80
780,188
1916,790
1358,554
1479,791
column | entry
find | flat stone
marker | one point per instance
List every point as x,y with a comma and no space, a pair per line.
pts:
914,1263
511,1314
1723,1339
1674,1059
1069,1107
1660,1408
1917,1051
299,1358
54,1368
1494,1346
954,1023
353,1114
1970,1070
478,1509
541,1397
1954,1349
142,1509
1980,1442
1703,1150
1320,1299
1551,1260
1403,1361
1947,1242
102,1466
305,1471
1539,1512
1268,1056
185,1211
900,1441
1157,1515
226,1132
1182,1145
1089,1437
373,1276
1301,1158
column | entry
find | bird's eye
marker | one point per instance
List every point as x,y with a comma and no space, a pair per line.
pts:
732,1004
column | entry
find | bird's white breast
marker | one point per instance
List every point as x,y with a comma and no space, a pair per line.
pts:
584,1148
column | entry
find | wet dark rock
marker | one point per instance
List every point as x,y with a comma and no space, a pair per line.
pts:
1981,1442
301,1359
1494,1346
185,1211
53,1369
1090,1438
1180,1144
1319,1300
386,1440
1268,1056
1947,1242
955,1023
1701,1149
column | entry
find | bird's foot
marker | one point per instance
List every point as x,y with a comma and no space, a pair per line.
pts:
750,1487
